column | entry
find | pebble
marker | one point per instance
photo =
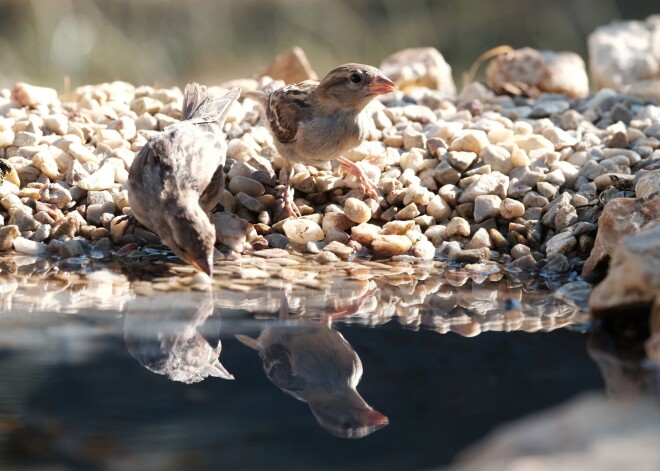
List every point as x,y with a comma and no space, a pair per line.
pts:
357,211
486,207
457,227
303,230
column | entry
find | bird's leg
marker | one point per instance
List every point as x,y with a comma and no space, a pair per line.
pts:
351,309
289,208
131,223
368,187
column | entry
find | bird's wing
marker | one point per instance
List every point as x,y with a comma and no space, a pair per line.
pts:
289,106
201,106
278,368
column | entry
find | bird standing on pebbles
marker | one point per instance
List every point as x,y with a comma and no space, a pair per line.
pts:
315,122
177,177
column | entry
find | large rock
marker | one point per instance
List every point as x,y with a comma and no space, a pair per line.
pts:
530,72
420,67
633,279
620,217
291,67
625,56
588,433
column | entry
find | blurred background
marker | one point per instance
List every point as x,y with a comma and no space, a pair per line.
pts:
170,42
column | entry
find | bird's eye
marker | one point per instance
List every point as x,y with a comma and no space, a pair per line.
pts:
355,78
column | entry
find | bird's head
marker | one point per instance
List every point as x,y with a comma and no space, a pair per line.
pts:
348,415
191,236
355,85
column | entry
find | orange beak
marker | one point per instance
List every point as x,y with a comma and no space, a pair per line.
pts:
381,85
203,265
373,418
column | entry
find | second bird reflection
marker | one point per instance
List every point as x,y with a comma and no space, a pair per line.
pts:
314,363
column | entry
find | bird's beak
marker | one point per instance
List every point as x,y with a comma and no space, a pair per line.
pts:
203,265
381,85
373,418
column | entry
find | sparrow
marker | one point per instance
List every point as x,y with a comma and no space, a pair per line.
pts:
169,342
177,177
314,122
314,363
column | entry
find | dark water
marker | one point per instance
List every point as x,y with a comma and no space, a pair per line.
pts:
440,392
111,378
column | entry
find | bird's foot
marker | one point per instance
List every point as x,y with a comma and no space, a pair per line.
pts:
367,186
131,223
288,207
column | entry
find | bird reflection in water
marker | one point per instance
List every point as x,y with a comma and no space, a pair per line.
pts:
314,363
168,341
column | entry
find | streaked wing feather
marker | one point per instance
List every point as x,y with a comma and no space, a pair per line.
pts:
287,107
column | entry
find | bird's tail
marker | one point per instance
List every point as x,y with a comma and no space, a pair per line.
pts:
261,95
200,104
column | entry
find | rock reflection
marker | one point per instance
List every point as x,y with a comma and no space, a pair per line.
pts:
164,336
314,363
617,345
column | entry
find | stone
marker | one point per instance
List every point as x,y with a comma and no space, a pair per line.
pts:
648,184
511,209
486,207
230,230
246,185
303,230
620,217
489,184
458,227
291,67
29,95
530,72
633,278
562,243
387,245
7,235
248,202
519,251
497,157
30,247
419,67
364,233
55,194
357,211
461,160
624,52
472,255
438,208
480,239
614,434
407,213
469,140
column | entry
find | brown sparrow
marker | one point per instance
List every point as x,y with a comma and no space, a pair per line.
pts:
314,122
177,177
167,339
314,363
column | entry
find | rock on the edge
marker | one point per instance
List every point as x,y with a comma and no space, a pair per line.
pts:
620,217
419,67
634,274
531,72
625,52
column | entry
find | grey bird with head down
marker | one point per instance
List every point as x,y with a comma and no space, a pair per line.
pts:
177,177
314,122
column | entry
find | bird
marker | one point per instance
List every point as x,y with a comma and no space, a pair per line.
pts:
313,362
314,122
168,340
177,177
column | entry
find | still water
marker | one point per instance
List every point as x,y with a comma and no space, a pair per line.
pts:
280,363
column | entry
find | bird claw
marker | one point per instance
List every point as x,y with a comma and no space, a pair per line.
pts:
366,185
288,207
131,223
